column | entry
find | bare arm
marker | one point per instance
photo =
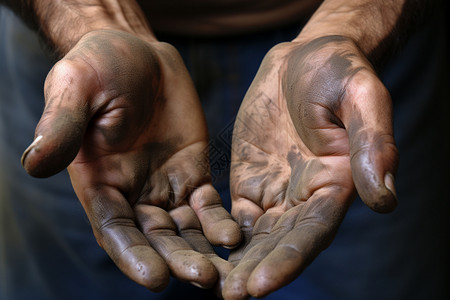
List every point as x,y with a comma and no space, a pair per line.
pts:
63,23
377,27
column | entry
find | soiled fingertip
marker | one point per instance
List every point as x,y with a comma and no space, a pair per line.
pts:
47,156
144,266
260,289
227,295
278,269
193,267
385,200
235,289
263,281
31,165
376,191
385,203
30,147
226,233
235,286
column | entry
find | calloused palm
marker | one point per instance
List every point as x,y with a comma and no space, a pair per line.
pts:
124,114
315,123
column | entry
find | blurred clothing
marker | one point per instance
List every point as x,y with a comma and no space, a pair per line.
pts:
205,18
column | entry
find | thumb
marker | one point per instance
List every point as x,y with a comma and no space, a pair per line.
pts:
59,133
374,156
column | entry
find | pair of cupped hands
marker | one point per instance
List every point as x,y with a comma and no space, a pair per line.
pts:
313,130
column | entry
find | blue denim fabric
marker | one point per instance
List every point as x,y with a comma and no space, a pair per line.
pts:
48,251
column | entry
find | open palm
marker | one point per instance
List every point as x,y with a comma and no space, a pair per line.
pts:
124,114
315,124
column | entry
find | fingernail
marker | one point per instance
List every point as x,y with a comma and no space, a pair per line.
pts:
32,145
197,284
389,182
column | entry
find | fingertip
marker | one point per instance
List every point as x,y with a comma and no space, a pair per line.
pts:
232,295
226,233
27,163
41,162
57,146
386,201
260,288
193,267
372,174
44,158
235,288
262,283
144,266
378,195
278,269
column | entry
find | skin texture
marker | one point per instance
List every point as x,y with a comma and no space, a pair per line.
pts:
314,129
123,113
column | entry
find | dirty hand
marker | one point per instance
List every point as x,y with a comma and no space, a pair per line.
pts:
314,128
123,115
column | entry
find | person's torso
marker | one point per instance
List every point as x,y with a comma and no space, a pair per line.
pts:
223,17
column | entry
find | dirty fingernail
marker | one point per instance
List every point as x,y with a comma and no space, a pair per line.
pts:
32,145
389,182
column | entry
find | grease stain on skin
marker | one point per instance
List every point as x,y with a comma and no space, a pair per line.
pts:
307,84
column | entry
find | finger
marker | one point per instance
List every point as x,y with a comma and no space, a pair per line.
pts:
304,231
246,213
112,221
218,226
189,229
184,263
235,286
60,131
374,156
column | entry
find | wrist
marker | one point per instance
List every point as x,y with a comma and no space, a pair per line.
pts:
367,23
65,22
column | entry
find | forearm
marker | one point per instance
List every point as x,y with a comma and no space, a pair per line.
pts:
63,23
377,27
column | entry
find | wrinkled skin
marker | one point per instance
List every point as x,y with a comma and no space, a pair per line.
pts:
314,128
124,114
